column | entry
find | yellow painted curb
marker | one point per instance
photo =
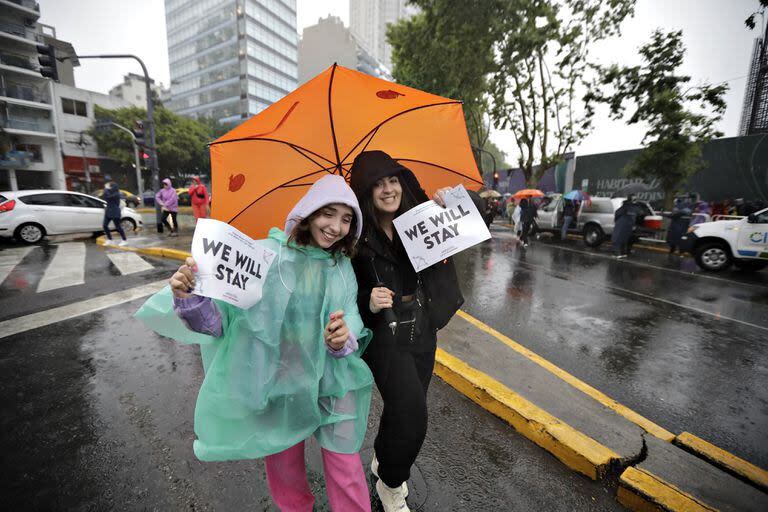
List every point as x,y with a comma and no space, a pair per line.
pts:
605,400
576,450
719,457
642,491
160,252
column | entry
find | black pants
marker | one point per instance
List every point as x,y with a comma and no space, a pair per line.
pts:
525,230
118,227
402,378
164,220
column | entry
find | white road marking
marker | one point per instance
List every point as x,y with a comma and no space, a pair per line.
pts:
9,258
129,262
67,268
62,313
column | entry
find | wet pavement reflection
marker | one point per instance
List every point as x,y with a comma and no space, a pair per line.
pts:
688,351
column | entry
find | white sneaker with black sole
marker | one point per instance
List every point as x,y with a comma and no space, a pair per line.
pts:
375,471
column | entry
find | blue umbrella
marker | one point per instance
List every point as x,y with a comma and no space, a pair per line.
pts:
577,195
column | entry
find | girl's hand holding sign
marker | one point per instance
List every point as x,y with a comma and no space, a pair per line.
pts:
183,281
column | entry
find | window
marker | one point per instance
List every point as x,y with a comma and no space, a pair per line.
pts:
35,150
46,199
74,107
761,218
85,202
598,207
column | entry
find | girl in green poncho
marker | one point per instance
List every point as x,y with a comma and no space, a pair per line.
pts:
289,367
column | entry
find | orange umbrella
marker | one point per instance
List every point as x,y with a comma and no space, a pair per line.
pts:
262,168
528,192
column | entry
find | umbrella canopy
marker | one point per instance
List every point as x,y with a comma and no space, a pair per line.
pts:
577,195
528,192
262,168
490,193
632,188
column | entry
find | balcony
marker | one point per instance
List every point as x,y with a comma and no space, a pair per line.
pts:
27,125
27,4
25,92
19,32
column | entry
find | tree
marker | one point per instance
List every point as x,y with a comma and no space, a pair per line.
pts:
447,49
672,151
750,21
181,142
542,68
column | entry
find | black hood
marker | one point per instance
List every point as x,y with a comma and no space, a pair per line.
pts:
370,166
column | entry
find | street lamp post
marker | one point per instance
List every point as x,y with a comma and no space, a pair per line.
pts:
86,170
151,149
139,180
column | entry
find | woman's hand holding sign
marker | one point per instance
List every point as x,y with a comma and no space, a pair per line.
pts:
439,196
183,281
336,332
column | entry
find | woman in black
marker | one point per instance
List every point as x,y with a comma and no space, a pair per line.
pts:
401,361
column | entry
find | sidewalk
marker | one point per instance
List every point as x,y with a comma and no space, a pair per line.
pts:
585,429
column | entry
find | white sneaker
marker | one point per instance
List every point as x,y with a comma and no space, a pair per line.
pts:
123,243
375,471
108,242
392,500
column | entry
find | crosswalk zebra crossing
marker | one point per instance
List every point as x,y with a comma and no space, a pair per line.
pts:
68,265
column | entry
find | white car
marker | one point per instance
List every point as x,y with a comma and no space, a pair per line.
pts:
717,245
29,215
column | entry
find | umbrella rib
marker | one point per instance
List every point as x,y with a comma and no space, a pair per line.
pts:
280,142
376,128
436,165
287,183
330,115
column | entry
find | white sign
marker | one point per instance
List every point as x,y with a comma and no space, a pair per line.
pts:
230,265
431,233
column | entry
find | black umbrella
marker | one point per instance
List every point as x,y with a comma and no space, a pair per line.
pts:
632,188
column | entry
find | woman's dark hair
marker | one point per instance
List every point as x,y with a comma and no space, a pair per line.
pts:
370,220
301,235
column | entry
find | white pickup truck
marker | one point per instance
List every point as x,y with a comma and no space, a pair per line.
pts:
718,245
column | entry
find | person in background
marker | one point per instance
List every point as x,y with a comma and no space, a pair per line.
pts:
701,213
681,218
112,213
168,200
528,215
623,227
198,196
569,214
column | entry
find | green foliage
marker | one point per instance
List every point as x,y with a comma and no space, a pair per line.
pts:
446,49
663,100
181,142
542,50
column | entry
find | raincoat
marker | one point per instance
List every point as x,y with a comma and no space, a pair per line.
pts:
167,197
198,196
269,379
681,218
623,227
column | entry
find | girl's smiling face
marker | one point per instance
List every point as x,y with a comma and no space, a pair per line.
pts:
330,224
387,193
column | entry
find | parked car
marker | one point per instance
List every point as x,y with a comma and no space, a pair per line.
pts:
718,245
595,218
130,198
30,215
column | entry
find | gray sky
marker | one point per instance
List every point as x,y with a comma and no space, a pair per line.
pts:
718,48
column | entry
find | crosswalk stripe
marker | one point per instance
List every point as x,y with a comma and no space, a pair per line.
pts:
10,258
129,262
59,314
67,268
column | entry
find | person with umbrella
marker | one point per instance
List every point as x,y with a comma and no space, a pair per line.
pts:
623,227
528,215
288,367
680,220
402,353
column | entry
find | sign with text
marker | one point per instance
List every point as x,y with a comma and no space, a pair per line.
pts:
230,265
431,233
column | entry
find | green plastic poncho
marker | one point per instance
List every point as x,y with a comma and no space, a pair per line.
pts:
269,380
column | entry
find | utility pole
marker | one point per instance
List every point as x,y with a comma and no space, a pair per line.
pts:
82,143
100,125
151,148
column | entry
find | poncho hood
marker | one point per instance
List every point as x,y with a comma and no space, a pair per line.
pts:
331,189
167,181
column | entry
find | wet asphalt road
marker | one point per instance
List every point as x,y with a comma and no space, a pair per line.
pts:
97,414
687,350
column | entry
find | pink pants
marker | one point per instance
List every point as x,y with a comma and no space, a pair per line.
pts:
345,481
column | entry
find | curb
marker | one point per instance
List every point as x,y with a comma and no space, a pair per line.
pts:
724,460
161,252
574,449
642,491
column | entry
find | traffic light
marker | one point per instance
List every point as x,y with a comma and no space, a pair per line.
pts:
47,59
138,133
495,179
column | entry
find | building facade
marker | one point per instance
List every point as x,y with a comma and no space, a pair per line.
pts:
134,90
230,59
27,115
368,20
754,114
330,41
